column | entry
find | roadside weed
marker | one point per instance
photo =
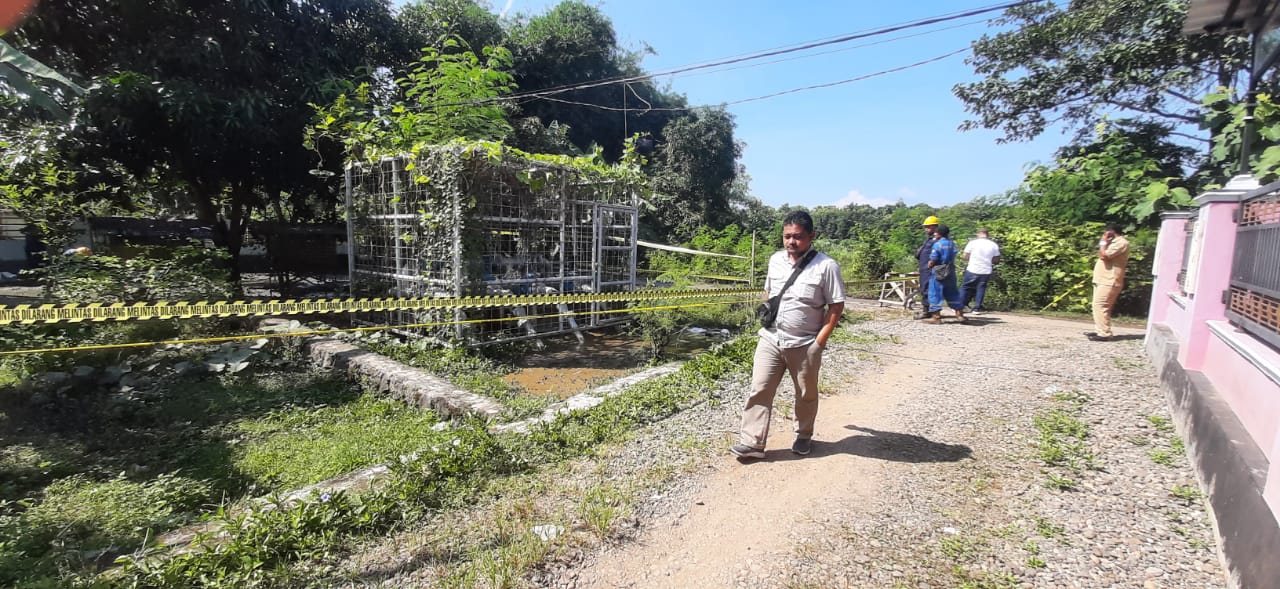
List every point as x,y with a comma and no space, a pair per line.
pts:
1188,494
1046,528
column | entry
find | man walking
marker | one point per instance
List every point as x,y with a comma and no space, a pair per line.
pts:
982,254
807,312
922,256
942,262
1108,279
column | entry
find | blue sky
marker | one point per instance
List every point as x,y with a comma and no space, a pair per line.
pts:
873,141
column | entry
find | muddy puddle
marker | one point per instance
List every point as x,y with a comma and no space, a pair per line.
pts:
566,368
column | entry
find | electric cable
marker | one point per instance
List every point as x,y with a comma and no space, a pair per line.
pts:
765,96
522,97
769,53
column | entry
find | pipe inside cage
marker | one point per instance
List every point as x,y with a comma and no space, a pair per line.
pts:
453,221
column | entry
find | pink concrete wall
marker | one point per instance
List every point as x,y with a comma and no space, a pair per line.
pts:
1212,277
1168,262
1272,491
1254,397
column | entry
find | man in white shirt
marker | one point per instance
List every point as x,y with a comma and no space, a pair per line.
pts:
982,255
807,312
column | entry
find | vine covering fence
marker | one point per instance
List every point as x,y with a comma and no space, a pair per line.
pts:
458,220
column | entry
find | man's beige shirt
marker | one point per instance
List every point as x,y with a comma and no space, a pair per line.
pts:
802,309
1110,272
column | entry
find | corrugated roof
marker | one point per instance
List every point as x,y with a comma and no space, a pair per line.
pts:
1221,16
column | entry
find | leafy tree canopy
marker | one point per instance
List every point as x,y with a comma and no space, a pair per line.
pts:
694,172
1123,175
574,43
1074,63
211,97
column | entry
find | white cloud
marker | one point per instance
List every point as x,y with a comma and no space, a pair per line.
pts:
506,9
856,197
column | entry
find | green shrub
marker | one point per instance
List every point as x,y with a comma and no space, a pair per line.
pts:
79,517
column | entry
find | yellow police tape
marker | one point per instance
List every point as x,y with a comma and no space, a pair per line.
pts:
74,312
254,336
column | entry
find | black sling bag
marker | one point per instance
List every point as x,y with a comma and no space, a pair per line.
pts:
768,312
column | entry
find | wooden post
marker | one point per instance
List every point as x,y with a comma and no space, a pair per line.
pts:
751,272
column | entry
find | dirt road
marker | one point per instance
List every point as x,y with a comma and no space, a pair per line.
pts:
927,472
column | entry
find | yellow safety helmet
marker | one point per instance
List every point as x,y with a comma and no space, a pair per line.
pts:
930,221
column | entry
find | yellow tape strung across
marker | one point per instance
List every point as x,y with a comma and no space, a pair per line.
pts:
73,312
254,336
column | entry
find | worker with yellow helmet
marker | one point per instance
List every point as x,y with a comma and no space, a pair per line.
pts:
930,224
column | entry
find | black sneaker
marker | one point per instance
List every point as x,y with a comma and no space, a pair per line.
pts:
745,451
802,446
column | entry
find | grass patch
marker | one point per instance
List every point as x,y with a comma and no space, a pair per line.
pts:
961,547
1161,423
856,317
1061,439
966,579
1126,363
1161,457
122,468
1060,483
1035,562
600,508
80,518
1047,528
859,336
295,447
1188,494
265,549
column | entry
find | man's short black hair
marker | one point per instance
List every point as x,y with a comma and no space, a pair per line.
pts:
1116,228
943,231
800,219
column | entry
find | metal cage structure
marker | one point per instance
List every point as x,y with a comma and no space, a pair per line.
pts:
454,221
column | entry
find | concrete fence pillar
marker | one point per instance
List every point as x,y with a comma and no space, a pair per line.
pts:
1167,263
1210,272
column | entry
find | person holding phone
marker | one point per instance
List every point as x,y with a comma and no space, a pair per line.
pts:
1108,279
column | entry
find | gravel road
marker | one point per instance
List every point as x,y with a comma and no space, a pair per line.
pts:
927,473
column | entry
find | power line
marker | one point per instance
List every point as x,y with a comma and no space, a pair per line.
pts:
757,98
524,97
767,53
842,49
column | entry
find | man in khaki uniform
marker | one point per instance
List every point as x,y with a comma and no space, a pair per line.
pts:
1108,279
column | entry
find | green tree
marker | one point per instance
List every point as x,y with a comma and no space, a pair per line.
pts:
1122,176
1227,116
694,171
427,23
211,97
25,80
449,94
573,43
1075,62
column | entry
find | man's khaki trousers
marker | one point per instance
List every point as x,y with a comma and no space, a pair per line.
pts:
1104,299
766,374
